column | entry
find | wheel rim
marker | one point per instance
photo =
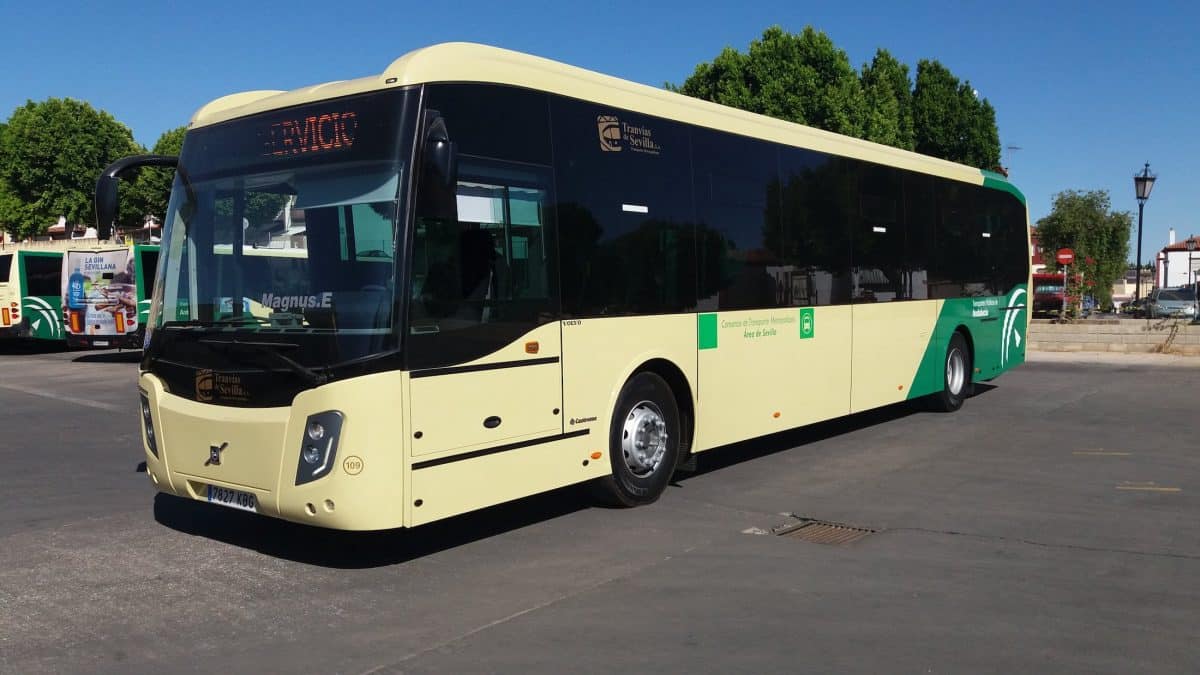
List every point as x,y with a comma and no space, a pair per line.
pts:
644,439
956,371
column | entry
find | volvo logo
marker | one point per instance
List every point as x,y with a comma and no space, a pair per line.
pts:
214,454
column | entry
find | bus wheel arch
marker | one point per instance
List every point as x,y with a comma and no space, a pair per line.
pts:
649,432
958,373
682,389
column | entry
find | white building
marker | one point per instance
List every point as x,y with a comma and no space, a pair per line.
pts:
1175,264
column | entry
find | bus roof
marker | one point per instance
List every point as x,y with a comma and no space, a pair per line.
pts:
468,62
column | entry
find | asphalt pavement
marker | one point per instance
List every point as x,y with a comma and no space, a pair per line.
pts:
1049,526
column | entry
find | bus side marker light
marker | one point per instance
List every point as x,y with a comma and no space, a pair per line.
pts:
595,455
776,414
532,347
899,387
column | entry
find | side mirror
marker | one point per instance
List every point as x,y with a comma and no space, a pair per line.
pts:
441,154
107,187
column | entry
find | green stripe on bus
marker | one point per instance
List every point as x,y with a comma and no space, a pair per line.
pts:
996,327
997,182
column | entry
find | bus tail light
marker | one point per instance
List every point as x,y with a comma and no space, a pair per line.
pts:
148,423
4,316
318,446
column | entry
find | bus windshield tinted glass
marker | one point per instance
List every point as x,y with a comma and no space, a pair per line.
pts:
313,248
283,226
5,264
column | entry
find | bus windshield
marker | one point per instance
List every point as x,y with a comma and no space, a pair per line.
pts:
277,237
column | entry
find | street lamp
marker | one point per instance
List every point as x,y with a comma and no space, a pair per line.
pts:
1143,183
1191,246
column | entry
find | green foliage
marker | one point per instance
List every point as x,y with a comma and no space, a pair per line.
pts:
147,193
51,153
887,92
801,78
951,121
1084,221
805,78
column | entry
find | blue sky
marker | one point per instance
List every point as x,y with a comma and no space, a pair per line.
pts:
1088,90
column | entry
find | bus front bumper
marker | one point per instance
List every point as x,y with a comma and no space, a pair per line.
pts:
253,458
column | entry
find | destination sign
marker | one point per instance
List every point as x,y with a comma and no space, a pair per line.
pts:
317,133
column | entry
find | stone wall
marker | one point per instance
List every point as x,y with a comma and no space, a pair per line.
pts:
1171,336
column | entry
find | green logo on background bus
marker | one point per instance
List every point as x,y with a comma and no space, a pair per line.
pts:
808,324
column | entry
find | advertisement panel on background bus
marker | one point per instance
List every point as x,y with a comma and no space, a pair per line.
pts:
104,295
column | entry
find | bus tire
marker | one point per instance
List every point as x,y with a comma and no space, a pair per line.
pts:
644,441
957,383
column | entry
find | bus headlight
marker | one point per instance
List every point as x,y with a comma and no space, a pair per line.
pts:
318,446
148,425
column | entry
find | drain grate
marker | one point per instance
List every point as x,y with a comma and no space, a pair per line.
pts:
822,532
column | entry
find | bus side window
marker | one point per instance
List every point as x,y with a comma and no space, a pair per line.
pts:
483,276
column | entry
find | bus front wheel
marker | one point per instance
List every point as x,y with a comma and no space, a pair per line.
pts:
644,441
957,382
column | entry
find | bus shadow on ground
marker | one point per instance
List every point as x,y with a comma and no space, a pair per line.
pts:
764,446
126,356
360,550
20,347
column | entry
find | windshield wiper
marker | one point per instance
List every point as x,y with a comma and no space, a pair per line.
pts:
243,320
272,349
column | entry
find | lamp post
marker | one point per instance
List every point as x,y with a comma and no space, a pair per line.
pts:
1191,246
1143,183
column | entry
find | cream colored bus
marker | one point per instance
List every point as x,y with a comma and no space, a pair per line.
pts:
481,275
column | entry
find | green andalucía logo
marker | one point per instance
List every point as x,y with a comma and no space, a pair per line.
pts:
1010,335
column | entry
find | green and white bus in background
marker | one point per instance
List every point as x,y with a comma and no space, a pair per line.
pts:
30,295
105,295
514,275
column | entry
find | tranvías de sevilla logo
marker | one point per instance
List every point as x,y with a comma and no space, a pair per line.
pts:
610,133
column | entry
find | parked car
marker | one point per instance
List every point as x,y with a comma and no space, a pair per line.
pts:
1166,302
1134,308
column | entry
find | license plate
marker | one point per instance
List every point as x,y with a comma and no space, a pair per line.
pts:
234,499
101,343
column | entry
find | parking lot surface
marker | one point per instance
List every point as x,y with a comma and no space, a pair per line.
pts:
1051,525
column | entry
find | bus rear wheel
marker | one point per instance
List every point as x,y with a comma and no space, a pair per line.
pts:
957,383
644,442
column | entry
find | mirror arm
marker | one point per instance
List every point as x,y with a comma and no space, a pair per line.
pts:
107,187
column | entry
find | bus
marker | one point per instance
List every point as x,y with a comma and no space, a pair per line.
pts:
105,295
505,275
30,308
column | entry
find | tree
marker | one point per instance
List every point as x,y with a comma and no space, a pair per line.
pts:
805,78
149,190
950,120
887,93
1084,221
50,156
801,78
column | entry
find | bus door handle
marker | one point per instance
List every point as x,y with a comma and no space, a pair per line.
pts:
492,422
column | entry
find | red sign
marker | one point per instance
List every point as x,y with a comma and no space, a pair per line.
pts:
1065,256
